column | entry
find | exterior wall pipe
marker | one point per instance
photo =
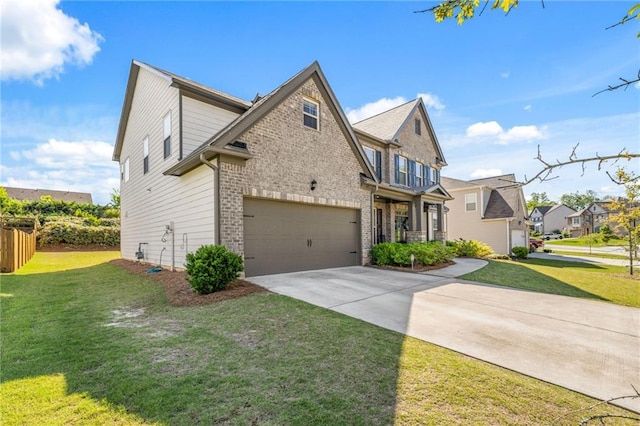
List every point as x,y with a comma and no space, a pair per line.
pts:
173,247
216,196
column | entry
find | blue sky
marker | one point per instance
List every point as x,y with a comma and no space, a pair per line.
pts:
495,87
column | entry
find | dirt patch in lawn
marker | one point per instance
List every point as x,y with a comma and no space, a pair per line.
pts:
178,290
416,269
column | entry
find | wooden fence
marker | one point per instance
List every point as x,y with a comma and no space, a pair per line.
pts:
17,247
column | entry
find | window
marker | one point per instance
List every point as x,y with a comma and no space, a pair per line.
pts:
470,202
427,176
419,181
436,175
375,158
126,170
371,155
402,170
167,135
576,220
418,126
310,113
145,154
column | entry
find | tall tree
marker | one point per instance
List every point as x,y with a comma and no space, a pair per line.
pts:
578,201
539,199
626,212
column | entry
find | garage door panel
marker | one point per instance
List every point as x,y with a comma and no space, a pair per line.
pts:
287,237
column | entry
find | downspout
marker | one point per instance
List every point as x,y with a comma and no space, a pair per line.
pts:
216,196
373,218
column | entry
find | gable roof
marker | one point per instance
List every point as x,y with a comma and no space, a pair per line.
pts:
542,209
388,124
454,184
23,194
174,80
220,142
502,203
557,206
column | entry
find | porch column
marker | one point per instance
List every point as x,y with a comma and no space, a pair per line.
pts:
440,223
417,229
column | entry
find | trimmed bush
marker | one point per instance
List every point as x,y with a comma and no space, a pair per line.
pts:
398,254
496,256
212,268
75,231
470,248
520,252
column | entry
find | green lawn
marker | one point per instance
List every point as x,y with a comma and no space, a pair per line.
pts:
84,342
583,242
577,279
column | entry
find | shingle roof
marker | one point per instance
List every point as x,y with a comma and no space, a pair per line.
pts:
386,124
35,194
543,209
452,184
497,181
504,198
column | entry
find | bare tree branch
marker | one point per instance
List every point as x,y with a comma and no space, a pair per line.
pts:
601,417
625,83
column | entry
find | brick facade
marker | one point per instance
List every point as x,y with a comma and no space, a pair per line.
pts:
287,156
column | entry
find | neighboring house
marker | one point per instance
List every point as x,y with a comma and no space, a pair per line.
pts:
24,194
405,154
492,210
590,219
550,218
282,180
537,217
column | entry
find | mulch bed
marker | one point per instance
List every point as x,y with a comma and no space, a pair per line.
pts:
178,290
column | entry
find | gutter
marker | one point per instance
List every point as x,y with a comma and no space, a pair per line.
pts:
216,195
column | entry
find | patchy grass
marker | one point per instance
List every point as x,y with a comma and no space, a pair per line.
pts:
576,279
96,345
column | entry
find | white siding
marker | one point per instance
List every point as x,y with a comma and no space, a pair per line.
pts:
200,121
150,202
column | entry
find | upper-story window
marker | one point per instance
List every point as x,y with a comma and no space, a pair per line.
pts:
167,135
471,202
436,175
375,158
419,173
401,170
576,220
310,113
125,171
145,154
427,176
418,126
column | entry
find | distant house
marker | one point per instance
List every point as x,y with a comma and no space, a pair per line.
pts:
25,194
590,219
491,210
550,218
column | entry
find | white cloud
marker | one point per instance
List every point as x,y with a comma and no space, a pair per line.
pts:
493,130
431,100
83,166
373,108
381,105
490,128
38,40
483,173
505,74
528,107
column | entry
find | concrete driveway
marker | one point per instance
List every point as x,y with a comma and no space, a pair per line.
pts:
588,346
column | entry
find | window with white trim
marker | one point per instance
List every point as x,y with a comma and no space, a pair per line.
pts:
471,202
419,181
402,170
126,170
310,112
167,134
576,220
371,155
145,155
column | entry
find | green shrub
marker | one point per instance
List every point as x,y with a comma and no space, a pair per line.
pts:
212,268
470,248
398,254
496,256
520,252
75,231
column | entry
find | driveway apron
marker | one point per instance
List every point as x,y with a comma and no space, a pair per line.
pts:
587,346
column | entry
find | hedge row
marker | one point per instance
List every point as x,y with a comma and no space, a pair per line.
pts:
398,254
66,232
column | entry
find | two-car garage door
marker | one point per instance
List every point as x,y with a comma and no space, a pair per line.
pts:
287,237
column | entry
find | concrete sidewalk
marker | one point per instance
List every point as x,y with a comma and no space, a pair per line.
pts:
587,346
587,259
